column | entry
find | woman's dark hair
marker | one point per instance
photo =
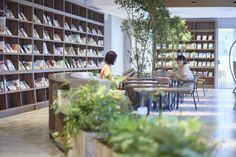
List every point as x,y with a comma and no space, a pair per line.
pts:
182,58
110,57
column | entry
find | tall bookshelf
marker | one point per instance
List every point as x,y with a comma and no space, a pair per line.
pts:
72,41
200,51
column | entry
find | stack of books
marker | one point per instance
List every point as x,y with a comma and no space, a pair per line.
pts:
47,20
23,85
41,82
21,16
2,87
91,53
27,49
36,19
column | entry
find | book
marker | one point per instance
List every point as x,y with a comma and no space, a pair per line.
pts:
8,32
21,66
8,48
10,65
91,41
27,65
101,43
12,85
36,19
3,67
60,64
211,46
204,37
45,21
41,82
49,22
58,50
45,48
46,35
51,63
22,32
205,46
23,85
15,48
210,37
199,37
199,46
40,64
2,43
21,49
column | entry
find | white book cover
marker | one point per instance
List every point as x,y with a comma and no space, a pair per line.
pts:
23,16
45,48
199,46
199,37
28,48
73,27
23,32
204,37
211,46
81,29
8,31
205,46
45,19
210,37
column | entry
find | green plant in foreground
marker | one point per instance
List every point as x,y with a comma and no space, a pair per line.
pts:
165,137
91,106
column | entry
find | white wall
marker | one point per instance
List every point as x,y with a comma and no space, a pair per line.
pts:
114,40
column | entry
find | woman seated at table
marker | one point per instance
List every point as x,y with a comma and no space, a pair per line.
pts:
183,74
110,59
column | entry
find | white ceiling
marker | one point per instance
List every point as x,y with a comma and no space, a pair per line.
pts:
108,6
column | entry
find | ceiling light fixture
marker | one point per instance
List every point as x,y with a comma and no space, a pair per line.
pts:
193,2
234,2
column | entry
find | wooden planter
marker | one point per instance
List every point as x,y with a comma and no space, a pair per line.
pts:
62,99
82,145
102,150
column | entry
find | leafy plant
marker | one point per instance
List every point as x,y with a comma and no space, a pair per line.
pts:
165,137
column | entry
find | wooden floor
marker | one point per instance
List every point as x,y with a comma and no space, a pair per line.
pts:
26,135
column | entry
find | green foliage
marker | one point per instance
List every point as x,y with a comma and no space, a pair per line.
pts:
166,137
92,105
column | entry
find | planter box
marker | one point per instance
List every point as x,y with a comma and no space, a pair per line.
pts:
82,145
102,150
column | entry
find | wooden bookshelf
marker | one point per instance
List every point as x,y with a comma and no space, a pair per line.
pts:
200,51
69,38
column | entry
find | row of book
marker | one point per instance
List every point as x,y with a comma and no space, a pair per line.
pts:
202,63
204,73
20,15
17,48
187,55
204,37
41,82
21,32
186,46
7,65
75,38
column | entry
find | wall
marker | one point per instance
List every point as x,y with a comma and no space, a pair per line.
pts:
114,40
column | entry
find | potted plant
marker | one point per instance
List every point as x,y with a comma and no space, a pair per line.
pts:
88,107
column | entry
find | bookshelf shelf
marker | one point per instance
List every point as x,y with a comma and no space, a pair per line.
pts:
36,38
200,51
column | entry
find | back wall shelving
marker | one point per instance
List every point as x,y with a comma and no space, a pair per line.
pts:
43,37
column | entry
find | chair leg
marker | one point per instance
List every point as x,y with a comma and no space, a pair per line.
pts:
197,94
177,103
194,102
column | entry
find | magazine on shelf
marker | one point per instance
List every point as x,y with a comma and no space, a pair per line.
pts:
57,37
204,37
15,48
28,49
45,48
8,32
199,46
9,13
100,33
24,85
46,35
211,46
49,22
22,32
12,85
36,50
45,19
56,23
60,64
67,51
40,64
2,25
10,65
41,82
73,27
3,66
36,19
21,49
94,31
2,88
81,29
2,43
66,25
21,66
205,46
67,64
35,34
7,48
210,37
58,50
199,37
100,42
51,63
88,30
23,16
27,65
